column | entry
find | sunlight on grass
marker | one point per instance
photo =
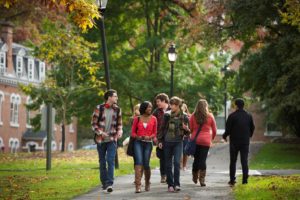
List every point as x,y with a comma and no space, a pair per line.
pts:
269,187
277,156
24,175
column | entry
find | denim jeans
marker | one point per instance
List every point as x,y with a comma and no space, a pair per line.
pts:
107,153
173,152
234,151
142,153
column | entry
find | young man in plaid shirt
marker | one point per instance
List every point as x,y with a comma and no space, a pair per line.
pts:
107,126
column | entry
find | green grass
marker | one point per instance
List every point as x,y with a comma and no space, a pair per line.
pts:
269,187
23,175
277,156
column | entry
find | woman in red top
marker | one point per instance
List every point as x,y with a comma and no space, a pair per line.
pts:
203,118
144,130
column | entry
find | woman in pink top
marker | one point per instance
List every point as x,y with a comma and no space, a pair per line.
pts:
144,130
203,118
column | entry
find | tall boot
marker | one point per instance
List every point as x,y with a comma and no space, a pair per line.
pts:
202,178
196,176
184,161
138,177
147,179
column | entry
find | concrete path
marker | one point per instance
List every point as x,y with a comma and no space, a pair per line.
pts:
216,180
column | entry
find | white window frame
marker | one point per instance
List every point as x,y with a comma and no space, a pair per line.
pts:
15,101
2,62
28,125
70,146
42,69
1,106
1,143
19,66
30,69
71,128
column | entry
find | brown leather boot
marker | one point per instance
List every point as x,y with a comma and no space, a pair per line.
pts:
163,179
138,177
184,162
202,178
196,176
147,179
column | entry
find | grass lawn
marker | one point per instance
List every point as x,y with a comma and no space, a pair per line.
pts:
269,187
24,176
272,156
277,156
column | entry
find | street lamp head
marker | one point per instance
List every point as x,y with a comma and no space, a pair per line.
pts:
101,4
172,55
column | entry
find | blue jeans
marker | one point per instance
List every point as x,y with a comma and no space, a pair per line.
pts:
107,153
142,153
172,152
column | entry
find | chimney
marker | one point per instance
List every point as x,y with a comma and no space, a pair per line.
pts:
7,37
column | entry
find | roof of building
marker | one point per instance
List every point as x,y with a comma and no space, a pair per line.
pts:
30,134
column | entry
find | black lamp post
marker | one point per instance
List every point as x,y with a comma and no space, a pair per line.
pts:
225,69
101,7
172,55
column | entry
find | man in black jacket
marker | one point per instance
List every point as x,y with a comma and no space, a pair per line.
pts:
240,128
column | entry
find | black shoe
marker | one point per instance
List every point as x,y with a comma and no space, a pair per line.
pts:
231,183
245,182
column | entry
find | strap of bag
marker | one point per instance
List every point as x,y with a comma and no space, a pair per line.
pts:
198,131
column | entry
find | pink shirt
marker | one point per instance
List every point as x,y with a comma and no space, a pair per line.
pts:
208,131
138,129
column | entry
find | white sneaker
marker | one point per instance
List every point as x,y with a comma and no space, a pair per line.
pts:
109,189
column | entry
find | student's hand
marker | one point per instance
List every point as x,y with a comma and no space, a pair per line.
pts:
104,134
224,137
160,145
185,127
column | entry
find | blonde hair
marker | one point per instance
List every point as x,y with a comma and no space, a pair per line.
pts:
136,108
201,111
184,108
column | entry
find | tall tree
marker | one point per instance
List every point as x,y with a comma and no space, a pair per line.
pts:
72,79
270,54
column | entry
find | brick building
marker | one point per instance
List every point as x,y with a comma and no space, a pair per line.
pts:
17,65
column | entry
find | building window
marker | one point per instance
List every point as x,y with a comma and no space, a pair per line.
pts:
15,101
70,147
30,69
1,106
2,62
71,128
42,71
19,67
28,102
13,145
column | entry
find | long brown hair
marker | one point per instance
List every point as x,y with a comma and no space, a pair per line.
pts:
201,111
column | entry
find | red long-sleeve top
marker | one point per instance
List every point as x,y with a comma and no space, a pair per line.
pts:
208,131
139,130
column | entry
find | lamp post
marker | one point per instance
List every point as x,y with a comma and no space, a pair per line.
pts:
101,7
225,69
172,55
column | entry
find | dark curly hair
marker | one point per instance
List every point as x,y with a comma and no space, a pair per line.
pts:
144,106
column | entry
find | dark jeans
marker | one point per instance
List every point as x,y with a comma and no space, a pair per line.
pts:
234,151
173,152
200,158
185,141
107,153
142,153
162,167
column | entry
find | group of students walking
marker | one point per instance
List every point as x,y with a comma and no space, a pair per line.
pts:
168,126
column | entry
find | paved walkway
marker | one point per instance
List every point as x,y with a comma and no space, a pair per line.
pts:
216,180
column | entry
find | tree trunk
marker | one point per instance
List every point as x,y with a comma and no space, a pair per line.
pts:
63,137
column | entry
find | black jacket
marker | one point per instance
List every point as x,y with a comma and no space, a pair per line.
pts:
240,127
